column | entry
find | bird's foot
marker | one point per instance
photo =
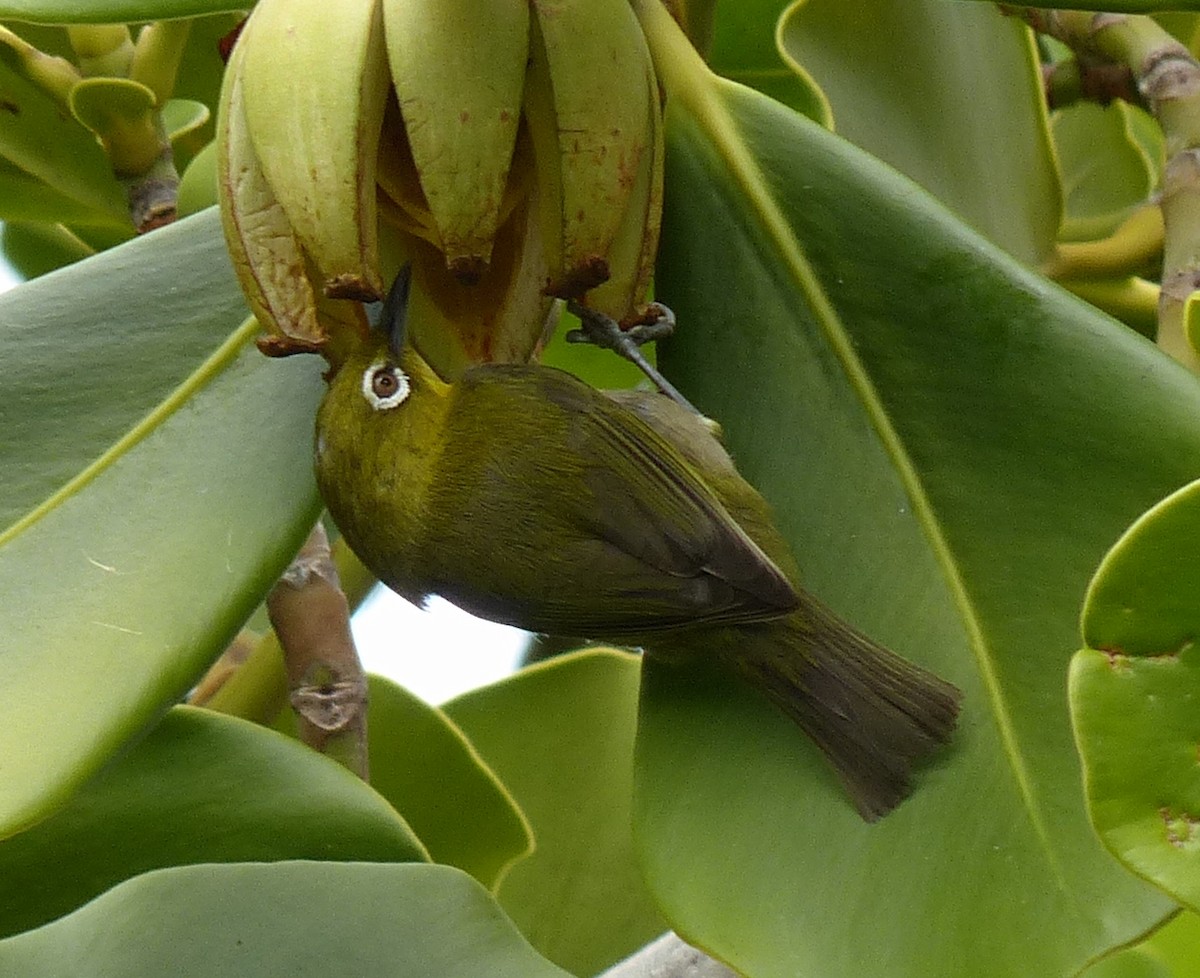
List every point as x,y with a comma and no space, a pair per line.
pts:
604,331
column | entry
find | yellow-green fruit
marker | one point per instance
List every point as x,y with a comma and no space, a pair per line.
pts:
527,497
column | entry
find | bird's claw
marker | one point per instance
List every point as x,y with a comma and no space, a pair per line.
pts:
604,331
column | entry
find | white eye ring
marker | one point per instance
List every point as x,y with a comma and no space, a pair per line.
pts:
384,385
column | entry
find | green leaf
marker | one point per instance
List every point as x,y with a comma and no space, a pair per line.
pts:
431,773
102,104
1107,172
282,920
950,444
560,736
35,249
135,573
950,95
592,364
1139,603
1118,6
200,788
1133,697
24,197
40,138
1134,962
110,314
1178,944
744,50
182,117
110,11
423,763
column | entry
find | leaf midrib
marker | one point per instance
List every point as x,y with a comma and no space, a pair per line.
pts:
709,107
201,377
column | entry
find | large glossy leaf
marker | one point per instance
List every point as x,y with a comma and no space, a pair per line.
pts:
425,766
110,315
1134,690
1178,944
560,735
1120,6
110,11
1134,962
24,197
122,585
743,49
283,920
35,249
951,444
433,774
1106,170
41,139
950,95
201,788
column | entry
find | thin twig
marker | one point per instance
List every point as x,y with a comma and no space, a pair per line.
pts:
1168,80
257,689
311,617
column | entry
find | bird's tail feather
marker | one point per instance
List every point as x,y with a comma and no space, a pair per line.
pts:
875,715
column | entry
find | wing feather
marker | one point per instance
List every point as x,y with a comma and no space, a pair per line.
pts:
645,499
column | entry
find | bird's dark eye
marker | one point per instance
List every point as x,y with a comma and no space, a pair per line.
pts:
384,385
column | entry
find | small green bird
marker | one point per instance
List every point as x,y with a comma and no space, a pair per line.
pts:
525,496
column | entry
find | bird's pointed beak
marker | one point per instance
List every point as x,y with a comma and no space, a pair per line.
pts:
394,315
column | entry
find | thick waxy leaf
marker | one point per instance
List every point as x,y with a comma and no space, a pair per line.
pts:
950,95
110,11
36,248
1134,691
743,49
201,788
424,765
940,435
110,315
1178,944
1134,962
579,897
134,574
282,920
24,197
428,769
1118,6
1106,170
40,138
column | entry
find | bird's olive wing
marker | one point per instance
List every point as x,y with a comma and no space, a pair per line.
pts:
647,500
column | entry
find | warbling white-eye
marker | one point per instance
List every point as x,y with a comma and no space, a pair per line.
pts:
525,496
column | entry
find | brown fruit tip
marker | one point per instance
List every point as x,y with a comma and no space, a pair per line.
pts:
225,44
467,269
351,286
287,346
584,275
